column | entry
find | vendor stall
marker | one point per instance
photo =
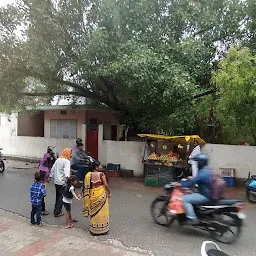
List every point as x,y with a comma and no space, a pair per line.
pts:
168,160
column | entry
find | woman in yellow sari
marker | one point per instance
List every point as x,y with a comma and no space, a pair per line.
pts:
96,194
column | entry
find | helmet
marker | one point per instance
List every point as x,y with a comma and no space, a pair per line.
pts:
201,159
78,140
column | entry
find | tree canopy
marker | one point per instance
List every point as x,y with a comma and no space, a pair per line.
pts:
236,85
145,59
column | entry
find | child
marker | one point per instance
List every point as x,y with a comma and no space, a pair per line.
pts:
69,193
37,193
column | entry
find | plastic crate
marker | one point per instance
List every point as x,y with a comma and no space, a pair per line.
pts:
228,172
113,167
231,181
152,181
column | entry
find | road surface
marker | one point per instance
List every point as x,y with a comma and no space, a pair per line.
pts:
130,220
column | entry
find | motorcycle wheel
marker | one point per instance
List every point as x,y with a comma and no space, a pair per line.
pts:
233,227
251,196
159,211
2,166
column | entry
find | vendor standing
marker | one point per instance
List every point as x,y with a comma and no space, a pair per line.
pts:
146,152
196,150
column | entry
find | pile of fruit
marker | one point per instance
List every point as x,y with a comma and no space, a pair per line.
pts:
163,157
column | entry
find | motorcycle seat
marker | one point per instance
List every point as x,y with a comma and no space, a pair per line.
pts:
214,252
253,177
225,201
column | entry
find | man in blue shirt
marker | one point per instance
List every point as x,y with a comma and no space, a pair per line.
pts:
37,192
203,179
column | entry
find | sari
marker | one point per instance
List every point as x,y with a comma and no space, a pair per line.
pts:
96,207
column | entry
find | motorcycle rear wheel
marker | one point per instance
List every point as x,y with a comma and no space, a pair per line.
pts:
232,221
251,197
159,212
2,166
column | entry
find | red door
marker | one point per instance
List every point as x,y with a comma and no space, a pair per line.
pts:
92,143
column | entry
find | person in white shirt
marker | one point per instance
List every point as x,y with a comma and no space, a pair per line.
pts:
146,151
60,172
195,152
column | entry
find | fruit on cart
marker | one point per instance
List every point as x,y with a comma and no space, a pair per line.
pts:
170,154
153,156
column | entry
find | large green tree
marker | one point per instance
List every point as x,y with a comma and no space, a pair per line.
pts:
145,59
236,85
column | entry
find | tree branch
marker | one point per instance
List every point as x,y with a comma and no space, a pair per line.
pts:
107,88
81,91
203,94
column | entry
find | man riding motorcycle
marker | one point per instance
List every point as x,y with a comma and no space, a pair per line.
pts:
81,161
203,179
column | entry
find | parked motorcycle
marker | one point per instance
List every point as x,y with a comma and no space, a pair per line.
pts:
223,219
2,165
209,248
250,187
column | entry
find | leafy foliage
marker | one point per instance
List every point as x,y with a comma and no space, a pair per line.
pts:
145,59
236,85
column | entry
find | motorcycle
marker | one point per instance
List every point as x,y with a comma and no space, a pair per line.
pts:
87,162
219,217
250,187
2,165
209,248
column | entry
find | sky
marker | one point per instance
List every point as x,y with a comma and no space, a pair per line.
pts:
5,2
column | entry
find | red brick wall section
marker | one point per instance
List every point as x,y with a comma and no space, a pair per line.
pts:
31,124
101,116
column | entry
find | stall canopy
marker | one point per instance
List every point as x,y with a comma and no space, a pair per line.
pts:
174,139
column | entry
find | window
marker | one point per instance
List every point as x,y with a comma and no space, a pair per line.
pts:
63,129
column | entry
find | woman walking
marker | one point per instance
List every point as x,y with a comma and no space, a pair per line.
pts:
96,193
44,170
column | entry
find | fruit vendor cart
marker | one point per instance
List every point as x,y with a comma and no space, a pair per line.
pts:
164,163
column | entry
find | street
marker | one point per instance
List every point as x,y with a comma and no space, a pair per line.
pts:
130,220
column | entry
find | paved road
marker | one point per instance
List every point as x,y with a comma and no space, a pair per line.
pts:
131,222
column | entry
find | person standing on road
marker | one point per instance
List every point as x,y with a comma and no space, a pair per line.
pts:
146,151
44,170
67,200
61,171
37,193
196,151
96,193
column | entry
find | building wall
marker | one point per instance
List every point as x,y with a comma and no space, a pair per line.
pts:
31,124
78,115
101,116
8,125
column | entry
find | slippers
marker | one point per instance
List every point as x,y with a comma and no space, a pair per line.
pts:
74,220
69,226
45,213
59,215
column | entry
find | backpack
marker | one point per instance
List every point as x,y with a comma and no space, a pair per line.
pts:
218,185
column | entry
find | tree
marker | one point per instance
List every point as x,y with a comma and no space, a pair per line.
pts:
236,85
145,59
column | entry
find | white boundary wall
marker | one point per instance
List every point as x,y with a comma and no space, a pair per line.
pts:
31,147
128,153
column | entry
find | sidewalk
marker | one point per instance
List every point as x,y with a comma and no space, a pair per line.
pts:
18,238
